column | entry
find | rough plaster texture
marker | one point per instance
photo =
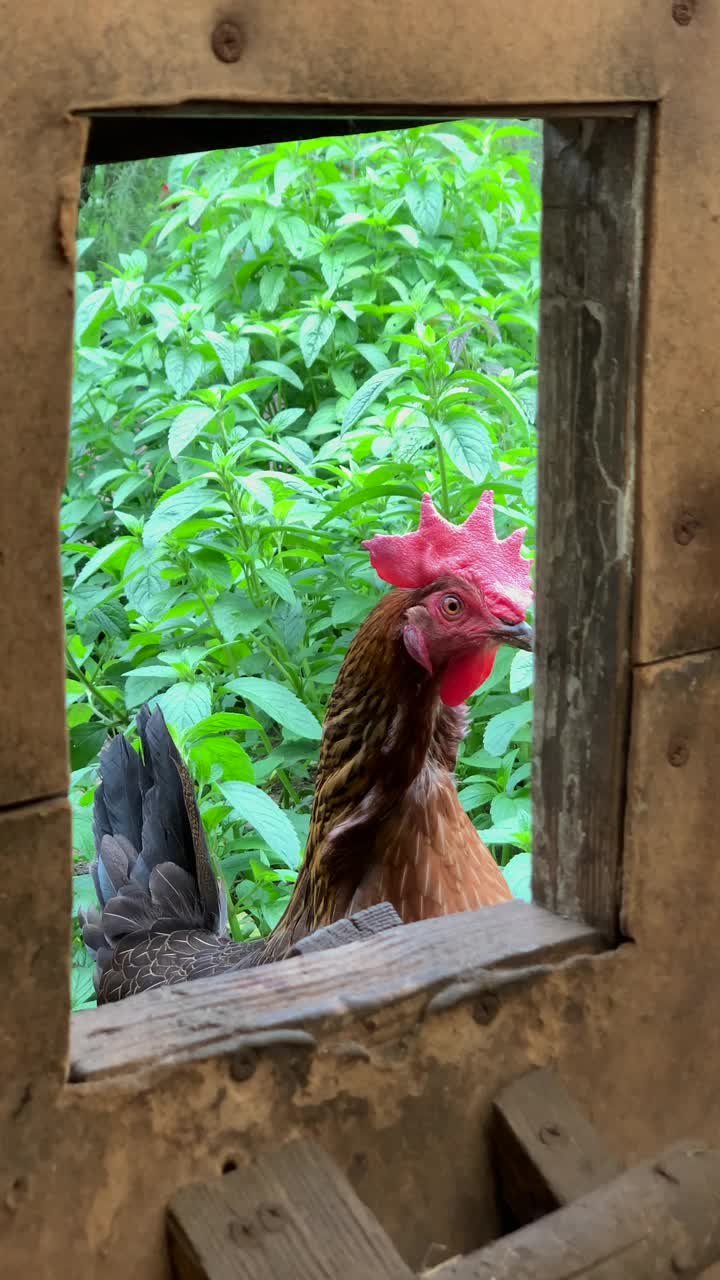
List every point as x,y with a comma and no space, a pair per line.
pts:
86,1170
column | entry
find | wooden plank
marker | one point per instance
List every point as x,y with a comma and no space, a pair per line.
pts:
35,950
657,1222
412,964
363,925
593,215
290,1216
546,1151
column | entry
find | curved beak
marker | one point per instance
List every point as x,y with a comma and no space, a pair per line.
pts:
518,634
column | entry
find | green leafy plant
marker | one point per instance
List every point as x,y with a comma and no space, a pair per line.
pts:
300,341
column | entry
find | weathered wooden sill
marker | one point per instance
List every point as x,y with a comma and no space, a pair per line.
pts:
428,966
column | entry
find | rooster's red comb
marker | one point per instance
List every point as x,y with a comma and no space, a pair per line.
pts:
470,550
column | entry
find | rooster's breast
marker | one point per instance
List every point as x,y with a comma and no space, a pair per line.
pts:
428,859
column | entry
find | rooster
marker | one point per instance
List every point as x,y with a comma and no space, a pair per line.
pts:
387,824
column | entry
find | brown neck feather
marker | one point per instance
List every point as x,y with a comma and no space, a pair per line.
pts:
384,720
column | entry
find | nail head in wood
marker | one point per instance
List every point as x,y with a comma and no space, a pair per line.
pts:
227,42
243,1064
685,528
683,12
678,753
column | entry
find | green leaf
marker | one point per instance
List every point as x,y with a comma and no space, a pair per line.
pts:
407,233
279,703
349,607
286,417
489,226
468,159
234,761
287,753
425,203
232,353
221,722
243,388
88,311
235,616
501,729
503,398
272,283
85,743
475,795
144,682
273,912
344,382
110,618
468,444
174,510
517,776
100,557
144,584
374,356
82,993
83,889
183,368
529,487
315,331
82,831
521,671
278,583
298,237
258,490
284,373
465,273
505,812
185,705
250,804
188,424
367,494
368,393
518,873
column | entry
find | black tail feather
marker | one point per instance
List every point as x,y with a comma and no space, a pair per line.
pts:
153,870
119,800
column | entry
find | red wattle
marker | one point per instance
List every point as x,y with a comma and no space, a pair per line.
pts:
464,675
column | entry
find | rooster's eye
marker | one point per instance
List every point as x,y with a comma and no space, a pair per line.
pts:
451,606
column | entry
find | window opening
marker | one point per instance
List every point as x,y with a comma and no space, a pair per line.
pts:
278,350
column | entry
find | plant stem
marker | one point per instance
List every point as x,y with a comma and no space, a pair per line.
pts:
287,784
290,675
93,693
444,491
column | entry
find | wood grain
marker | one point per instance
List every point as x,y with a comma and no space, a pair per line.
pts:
593,215
415,963
546,1151
657,1222
290,1216
362,925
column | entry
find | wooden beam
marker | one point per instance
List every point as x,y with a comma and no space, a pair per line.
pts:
290,1216
593,216
657,1222
546,1151
363,925
417,965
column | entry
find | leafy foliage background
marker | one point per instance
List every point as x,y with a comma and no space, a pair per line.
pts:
278,350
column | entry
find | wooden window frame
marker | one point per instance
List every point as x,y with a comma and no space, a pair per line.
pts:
594,184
